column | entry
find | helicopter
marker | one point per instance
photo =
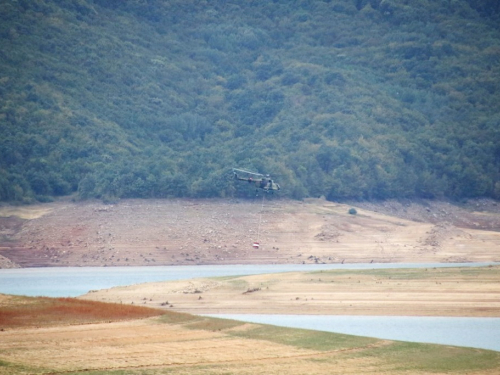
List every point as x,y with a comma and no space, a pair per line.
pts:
260,181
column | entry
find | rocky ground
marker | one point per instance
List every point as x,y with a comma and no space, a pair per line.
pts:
473,214
180,232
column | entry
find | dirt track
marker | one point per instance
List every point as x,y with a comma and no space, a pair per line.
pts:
180,232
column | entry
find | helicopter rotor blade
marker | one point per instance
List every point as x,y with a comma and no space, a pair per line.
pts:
247,172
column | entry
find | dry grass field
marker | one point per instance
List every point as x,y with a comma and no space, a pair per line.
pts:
176,343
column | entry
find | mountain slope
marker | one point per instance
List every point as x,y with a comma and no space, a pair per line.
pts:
346,99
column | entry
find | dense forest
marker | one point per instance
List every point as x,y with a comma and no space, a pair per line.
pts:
347,99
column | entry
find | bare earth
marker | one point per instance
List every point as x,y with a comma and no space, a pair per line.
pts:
188,232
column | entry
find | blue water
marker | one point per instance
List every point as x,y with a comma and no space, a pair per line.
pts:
75,281
481,333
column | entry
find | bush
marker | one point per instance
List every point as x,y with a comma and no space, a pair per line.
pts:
352,211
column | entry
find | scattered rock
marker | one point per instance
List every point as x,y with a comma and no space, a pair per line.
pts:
251,290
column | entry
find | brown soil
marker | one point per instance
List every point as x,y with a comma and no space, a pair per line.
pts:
20,311
187,232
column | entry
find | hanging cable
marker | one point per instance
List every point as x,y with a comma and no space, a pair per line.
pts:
256,244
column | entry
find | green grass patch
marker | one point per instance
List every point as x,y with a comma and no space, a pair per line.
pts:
410,274
300,338
305,339
199,322
214,369
480,271
214,324
226,278
397,274
172,317
406,356
9,368
238,284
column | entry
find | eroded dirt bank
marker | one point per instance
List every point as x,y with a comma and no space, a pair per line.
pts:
188,232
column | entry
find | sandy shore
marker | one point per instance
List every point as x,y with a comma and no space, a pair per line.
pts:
472,292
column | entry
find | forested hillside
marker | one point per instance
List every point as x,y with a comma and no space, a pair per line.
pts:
350,99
